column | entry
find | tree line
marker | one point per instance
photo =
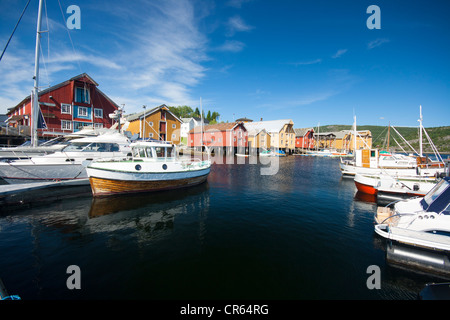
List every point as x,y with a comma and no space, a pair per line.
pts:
188,112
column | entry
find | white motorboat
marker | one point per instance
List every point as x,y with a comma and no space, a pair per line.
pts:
154,166
26,150
67,164
423,222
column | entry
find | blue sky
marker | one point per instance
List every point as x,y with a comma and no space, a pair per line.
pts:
309,61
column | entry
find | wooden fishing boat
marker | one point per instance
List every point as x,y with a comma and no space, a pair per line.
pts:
154,166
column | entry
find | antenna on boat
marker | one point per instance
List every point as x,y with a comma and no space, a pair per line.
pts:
34,94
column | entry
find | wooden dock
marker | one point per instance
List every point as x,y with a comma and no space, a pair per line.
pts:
38,192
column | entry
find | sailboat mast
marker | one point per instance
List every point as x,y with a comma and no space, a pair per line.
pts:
35,97
389,135
201,123
420,132
354,136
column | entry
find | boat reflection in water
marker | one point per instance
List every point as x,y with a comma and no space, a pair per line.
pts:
142,202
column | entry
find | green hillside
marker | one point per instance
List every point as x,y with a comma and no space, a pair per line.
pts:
439,135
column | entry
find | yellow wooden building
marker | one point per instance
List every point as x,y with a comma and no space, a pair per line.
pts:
344,140
258,139
159,124
282,134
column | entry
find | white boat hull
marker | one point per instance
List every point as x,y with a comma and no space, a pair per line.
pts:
351,170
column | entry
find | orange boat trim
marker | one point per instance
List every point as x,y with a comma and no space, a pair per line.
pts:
366,188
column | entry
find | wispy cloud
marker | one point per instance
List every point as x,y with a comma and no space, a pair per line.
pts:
237,24
377,43
231,46
311,98
305,63
339,53
237,3
164,62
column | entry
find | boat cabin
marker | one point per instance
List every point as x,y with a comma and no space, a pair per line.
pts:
153,150
373,158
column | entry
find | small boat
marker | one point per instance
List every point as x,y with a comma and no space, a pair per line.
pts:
267,153
242,155
394,185
153,166
280,153
423,222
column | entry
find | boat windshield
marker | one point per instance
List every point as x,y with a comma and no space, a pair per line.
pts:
92,147
153,152
438,198
76,146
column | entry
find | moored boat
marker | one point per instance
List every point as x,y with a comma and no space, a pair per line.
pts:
67,164
385,185
423,222
154,166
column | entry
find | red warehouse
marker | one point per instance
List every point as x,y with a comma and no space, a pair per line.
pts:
66,107
304,138
219,135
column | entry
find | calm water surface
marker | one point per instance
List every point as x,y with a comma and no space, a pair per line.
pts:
303,233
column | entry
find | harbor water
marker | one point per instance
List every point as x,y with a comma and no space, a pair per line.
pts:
302,233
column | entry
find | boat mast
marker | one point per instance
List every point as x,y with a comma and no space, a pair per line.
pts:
201,123
354,136
389,135
34,95
420,132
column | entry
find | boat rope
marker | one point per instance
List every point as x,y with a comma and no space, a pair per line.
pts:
29,173
7,43
404,139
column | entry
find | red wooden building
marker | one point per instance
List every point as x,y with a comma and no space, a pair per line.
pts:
304,138
219,135
67,107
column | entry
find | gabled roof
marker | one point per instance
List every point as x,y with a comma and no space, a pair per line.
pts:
198,119
139,115
300,132
219,127
271,126
79,77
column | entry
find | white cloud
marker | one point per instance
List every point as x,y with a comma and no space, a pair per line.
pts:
339,53
305,63
232,46
237,24
377,43
237,3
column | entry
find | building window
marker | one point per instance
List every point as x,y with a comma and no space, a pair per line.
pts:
66,108
66,125
82,95
82,112
150,123
98,113
98,125
150,135
174,126
174,136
